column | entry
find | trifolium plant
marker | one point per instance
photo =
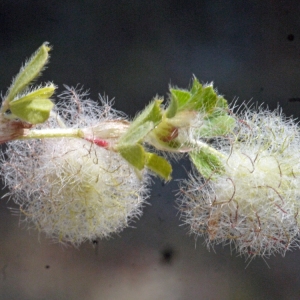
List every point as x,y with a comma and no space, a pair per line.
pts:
80,171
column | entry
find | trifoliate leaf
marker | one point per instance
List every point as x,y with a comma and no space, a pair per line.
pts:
159,165
207,163
199,98
134,154
32,110
217,126
29,72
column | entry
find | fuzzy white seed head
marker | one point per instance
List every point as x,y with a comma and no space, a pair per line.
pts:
71,189
254,204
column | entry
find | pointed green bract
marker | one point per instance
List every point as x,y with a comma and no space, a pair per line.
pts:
172,108
33,111
159,165
207,163
181,97
196,86
29,72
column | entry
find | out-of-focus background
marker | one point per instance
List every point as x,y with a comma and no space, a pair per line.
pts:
133,50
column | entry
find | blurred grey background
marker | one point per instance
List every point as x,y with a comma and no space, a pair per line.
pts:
131,51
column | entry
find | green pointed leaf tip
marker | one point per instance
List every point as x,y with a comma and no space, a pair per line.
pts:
181,97
207,163
159,165
29,72
152,114
196,85
172,108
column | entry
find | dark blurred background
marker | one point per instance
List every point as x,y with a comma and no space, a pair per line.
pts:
131,51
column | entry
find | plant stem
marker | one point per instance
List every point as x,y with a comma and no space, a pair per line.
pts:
52,133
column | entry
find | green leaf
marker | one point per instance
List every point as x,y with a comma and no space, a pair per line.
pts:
204,100
159,165
134,154
199,98
217,126
34,111
151,114
29,72
207,163
196,86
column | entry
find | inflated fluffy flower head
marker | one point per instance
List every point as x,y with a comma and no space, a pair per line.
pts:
70,188
253,203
